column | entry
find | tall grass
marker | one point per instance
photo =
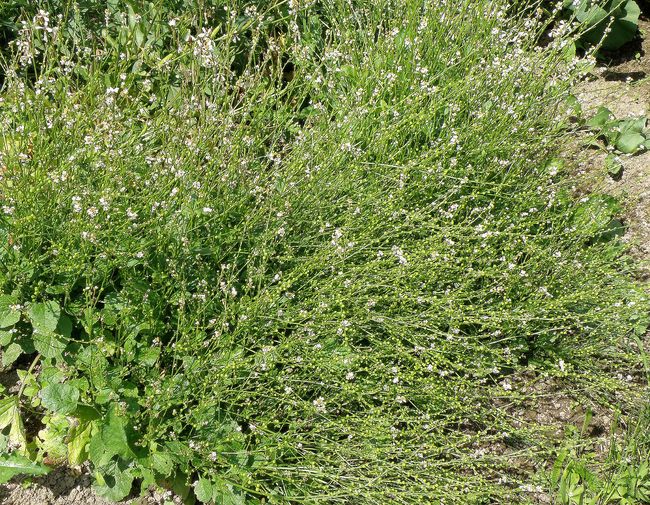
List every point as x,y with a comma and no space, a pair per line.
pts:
304,248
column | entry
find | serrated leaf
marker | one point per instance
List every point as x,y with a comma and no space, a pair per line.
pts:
11,354
112,482
629,142
49,345
78,440
111,439
8,315
45,316
161,463
60,398
51,439
15,464
10,416
149,355
6,411
5,337
203,490
225,494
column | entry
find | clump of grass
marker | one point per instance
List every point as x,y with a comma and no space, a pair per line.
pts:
299,268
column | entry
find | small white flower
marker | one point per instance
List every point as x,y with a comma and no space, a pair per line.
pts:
319,403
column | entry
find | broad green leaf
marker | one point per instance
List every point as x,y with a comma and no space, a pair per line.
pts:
112,482
624,28
45,316
149,355
603,115
629,142
162,463
203,490
225,494
6,411
111,440
5,337
614,165
15,464
8,315
596,213
636,125
49,345
60,398
10,416
64,327
11,354
78,440
51,439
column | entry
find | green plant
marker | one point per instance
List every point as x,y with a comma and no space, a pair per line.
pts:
253,284
609,23
625,135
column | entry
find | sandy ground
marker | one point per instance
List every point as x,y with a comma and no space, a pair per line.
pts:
624,88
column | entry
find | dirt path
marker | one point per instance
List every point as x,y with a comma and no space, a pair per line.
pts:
624,88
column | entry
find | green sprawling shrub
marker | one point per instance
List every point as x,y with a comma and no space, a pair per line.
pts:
304,268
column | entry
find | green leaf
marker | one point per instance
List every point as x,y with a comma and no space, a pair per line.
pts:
11,354
15,464
6,411
225,494
45,316
51,439
636,125
112,482
111,440
595,214
614,165
629,142
49,345
78,440
5,337
10,416
161,463
203,490
149,355
64,326
603,115
60,398
625,26
8,315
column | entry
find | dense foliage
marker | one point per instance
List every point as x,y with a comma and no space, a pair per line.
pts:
294,252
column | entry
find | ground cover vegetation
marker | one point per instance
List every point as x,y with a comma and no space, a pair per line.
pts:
299,252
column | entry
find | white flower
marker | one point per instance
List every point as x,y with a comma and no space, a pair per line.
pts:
319,403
